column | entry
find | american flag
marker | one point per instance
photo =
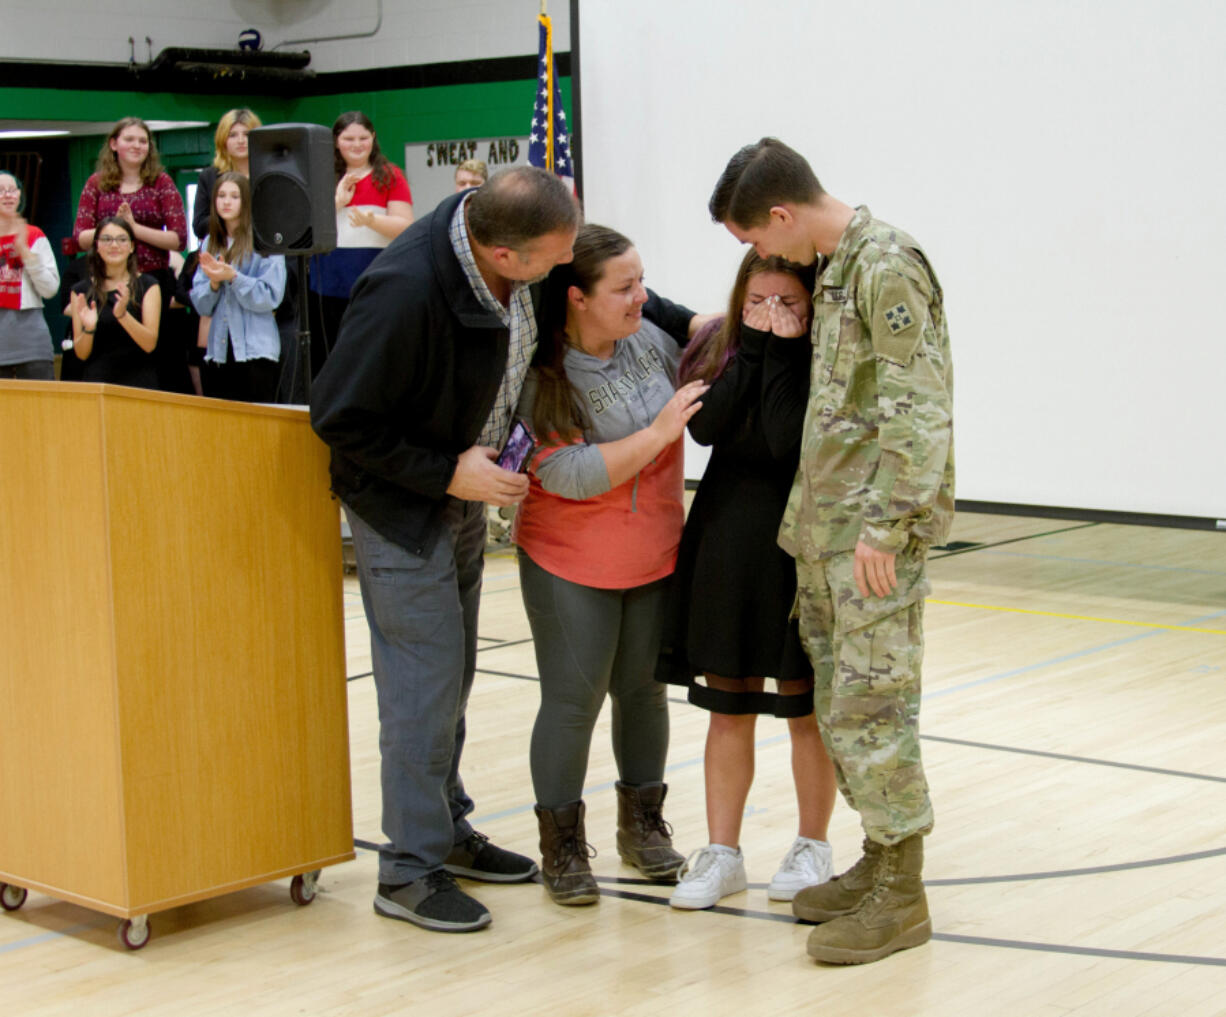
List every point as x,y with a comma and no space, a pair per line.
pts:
548,141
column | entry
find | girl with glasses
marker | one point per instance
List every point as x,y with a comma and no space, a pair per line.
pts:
116,311
27,276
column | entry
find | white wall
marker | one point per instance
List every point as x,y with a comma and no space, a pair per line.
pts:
412,32
1060,160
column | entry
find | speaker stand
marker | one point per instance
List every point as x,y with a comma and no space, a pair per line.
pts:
304,328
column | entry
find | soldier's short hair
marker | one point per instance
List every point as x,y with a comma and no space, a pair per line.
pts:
518,205
758,178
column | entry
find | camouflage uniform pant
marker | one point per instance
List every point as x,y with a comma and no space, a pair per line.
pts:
866,654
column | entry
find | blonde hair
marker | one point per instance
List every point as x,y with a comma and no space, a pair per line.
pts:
474,166
222,160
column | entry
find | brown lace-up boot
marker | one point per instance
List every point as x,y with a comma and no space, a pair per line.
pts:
893,916
564,855
840,895
644,840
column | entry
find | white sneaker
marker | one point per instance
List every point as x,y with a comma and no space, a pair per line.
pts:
707,875
807,863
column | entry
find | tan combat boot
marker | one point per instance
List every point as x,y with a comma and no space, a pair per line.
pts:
841,895
644,840
564,855
892,917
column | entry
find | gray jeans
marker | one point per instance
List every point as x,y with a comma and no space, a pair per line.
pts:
423,640
592,643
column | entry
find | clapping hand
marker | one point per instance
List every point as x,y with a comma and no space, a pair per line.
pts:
216,270
345,188
121,301
22,239
361,217
125,213
86,312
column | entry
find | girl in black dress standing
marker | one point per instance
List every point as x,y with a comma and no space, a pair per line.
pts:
727,627
116,311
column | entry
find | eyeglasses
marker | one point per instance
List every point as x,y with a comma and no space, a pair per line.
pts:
5,191
119,241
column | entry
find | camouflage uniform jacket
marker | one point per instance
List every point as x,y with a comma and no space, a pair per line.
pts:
876,460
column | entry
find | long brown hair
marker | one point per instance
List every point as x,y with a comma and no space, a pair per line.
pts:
222,160
97,267
559,408
709,352
236,249
110,176
380,165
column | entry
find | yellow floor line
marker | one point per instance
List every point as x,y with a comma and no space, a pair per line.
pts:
1081,617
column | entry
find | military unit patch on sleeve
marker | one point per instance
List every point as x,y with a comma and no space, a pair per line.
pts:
898,318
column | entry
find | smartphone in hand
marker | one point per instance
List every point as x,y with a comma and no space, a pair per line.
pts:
518,449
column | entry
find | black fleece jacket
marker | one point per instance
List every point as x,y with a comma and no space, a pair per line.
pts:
412,379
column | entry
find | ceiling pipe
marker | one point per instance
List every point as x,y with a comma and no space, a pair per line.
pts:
337,38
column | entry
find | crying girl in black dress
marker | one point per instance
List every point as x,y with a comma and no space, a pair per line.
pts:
727,628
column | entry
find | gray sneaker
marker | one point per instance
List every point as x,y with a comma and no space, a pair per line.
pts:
434,902
477,858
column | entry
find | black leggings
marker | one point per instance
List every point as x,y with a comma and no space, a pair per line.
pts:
248,381
591,643
31,370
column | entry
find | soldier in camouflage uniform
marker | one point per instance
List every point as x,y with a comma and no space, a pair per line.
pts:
873,491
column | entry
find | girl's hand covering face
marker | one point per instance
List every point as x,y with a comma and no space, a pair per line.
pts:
773,315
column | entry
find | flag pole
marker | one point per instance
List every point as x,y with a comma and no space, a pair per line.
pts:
549,111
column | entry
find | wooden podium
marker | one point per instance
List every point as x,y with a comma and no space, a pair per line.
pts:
172,664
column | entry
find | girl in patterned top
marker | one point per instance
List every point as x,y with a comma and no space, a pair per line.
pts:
131,184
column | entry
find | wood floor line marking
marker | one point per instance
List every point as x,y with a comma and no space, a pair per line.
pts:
1068,758
1078,617
1011,540
1104,563
1089,870
947,937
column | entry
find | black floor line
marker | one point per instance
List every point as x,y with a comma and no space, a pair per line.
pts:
1089,870
1081,951
1012,540
944,937
504,643
355,677
1089,760
606,890
508,674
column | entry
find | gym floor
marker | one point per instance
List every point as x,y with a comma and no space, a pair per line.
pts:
1075,690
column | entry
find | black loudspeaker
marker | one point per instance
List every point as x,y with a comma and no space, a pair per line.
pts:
293,188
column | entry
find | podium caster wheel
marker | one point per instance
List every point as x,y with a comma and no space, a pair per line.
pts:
12,897
134,932
302,889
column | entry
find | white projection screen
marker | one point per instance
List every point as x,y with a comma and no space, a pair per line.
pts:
1061,162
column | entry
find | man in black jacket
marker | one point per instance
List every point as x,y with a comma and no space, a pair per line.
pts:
415,400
